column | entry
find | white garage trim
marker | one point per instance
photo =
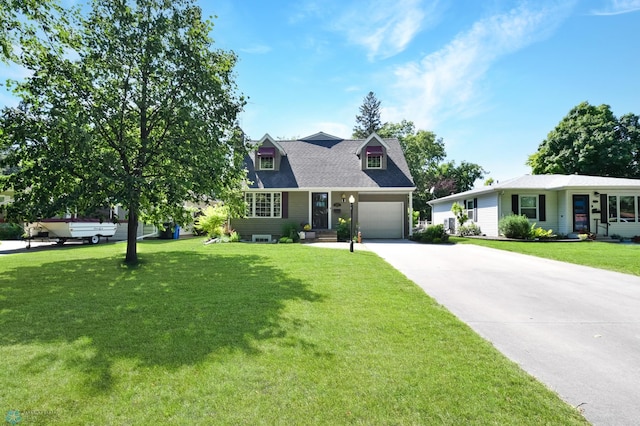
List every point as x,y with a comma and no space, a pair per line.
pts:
381,219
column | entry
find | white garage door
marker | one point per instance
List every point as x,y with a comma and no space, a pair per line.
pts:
381,220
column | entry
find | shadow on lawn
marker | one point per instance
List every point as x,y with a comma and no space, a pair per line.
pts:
174,309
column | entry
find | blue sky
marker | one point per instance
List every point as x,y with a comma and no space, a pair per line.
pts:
491,77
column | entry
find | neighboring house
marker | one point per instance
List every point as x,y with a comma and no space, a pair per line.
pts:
567,204
310,180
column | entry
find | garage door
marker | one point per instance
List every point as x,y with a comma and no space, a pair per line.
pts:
381,220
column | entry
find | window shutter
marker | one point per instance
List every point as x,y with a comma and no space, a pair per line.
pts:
475,209
514,204
285,205
542,207
604,208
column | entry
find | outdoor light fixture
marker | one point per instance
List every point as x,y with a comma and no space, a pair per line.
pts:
351,201
344,197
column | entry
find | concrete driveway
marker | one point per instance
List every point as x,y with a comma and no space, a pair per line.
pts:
575,328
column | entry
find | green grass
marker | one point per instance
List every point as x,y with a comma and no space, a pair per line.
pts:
245,334
604,255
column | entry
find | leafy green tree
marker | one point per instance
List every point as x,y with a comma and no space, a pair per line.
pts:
465,175
368,121
30,25
590,140
142,114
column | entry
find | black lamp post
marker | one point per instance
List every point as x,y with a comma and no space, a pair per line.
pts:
351,201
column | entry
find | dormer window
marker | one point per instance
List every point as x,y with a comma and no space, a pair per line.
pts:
374,157
267,158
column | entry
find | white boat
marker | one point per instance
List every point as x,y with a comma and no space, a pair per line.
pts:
71,229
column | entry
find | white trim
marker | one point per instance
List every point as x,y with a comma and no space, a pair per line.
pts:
267,137
410,210
371,137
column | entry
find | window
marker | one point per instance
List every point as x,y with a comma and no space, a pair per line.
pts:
623,208
374,157
469,206
266,163
627,209
374,161
266,157
529,206
613,208
263,204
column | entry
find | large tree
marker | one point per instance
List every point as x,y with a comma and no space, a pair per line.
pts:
141,114
590,140
425,154
368,121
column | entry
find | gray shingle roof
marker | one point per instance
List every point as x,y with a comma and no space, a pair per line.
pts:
329,162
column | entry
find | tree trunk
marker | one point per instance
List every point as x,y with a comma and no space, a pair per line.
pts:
132,236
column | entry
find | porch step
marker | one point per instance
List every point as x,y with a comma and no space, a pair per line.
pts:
324,237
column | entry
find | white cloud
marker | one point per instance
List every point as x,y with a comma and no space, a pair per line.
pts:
384,27
446,82
618,7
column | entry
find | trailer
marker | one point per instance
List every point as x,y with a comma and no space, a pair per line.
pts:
62,230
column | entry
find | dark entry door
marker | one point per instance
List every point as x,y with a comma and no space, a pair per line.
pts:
320,210
580,213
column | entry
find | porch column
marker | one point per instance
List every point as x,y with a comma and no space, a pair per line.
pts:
410,214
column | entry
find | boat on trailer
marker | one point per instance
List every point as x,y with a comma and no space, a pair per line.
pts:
62,230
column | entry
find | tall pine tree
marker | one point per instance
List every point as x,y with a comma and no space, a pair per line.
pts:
368,121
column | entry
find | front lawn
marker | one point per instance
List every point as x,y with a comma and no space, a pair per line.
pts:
618,257
244,334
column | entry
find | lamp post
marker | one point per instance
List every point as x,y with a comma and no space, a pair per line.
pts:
351,201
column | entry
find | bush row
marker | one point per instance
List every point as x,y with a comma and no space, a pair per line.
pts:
434,234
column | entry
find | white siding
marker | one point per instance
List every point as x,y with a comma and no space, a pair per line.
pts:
440,212
487,218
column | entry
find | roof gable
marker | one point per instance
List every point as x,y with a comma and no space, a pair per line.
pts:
272,141
372,137
321,136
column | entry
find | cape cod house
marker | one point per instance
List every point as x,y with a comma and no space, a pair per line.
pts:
568,204
310,181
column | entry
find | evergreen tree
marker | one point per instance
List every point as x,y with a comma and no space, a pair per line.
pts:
368,121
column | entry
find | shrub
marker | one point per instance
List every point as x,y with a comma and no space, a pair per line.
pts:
432,234
460,213
343,229
290,230
540,233
285,240
10,231
514,226
212,221
234,237
470,229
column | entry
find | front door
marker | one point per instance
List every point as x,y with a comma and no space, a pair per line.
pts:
580,213
320,210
